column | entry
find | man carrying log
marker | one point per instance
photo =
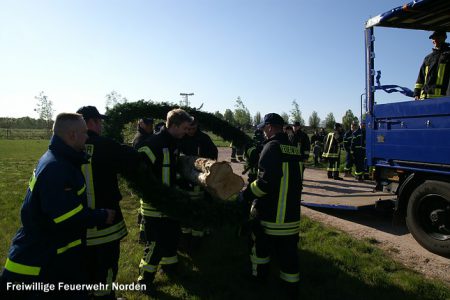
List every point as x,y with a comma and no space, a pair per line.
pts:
199,144
162,232
275,210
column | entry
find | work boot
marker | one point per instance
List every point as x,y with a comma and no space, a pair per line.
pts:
233,160
330,174
338,178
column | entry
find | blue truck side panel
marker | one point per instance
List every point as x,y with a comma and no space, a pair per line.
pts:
412,134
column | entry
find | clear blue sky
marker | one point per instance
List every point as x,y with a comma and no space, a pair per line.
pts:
268,52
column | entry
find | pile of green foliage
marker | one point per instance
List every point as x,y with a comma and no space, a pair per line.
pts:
124,113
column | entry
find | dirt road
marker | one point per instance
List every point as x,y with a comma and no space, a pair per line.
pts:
395,240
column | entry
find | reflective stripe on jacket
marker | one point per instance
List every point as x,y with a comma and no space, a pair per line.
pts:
278,186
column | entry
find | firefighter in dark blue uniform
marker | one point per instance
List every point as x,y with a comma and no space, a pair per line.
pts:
50,244
162,232
199,144
347,142
434,74
302,139
145,130
332,151
275,197
358,148
107,159
251,155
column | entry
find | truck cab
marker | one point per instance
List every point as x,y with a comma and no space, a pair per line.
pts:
408,142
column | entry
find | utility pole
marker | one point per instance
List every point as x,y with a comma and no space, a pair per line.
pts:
186,98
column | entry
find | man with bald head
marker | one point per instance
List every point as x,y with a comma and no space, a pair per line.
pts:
48,248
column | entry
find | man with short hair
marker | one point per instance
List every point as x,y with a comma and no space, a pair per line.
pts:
358,148
332,151
196,143
162,232
49,246
275,210
434,74
144,131
107,159
302,140
347,142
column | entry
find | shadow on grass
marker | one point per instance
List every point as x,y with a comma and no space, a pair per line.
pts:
219,270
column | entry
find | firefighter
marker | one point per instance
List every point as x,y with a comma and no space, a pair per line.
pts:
107,159
144,131
434,74
332,151
162,233
50,244
358,148
196,143
237,152
347,141
251,154
302,139
275,209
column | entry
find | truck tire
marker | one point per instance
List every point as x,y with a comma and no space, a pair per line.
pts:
428,216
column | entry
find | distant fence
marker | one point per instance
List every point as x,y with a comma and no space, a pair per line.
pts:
24,134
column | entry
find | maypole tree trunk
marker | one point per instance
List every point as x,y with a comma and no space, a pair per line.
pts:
216,177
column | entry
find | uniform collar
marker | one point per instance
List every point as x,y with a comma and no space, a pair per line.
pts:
58,146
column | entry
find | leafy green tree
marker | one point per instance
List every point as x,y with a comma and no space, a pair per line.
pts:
296,114
348,119
257,118
44,108
314,120
285,117
217,114
241,114
229,116
114,98
330,121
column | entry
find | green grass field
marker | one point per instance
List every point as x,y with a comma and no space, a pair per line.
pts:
333,265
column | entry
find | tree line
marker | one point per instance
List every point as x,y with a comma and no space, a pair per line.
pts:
239,116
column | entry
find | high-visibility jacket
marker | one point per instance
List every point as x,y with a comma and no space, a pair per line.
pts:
278,186
347,140
434,74
332,145
301,140
162,152
251,155
358,143
54,213
107,159
140,137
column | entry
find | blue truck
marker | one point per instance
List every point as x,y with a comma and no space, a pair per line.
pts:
408,142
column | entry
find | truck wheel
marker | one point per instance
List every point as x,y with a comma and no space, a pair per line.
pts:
428,216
